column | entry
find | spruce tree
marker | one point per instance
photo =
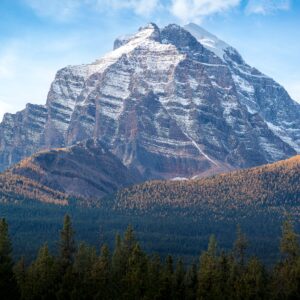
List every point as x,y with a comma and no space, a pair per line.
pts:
129,242
166,286
20,276
8,288
154,277
178,280
209,284
191,282
101,276
67,249
289,243
225,262
41,281
240,247
85,258
67,244
285,282
254,281
118,266
136,276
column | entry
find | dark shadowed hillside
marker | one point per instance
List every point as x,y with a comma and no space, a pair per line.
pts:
86,170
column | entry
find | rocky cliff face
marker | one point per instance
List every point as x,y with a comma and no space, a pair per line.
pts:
170,102
258,92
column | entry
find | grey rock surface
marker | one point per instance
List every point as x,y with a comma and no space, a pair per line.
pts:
170,102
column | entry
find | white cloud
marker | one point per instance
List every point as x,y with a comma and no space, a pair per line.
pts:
57,9
266,7
184,10
140,7
195,10
67,9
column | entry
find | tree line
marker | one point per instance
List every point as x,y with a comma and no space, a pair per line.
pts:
80,272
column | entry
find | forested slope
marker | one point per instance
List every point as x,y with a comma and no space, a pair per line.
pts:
268,187
170,216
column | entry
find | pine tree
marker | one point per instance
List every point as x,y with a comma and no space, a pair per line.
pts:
67,244
289,244
20,276
41,281
225,262
209,276
178,281
118,266
166,286
66,258
169,265
101,276
240,247
136,277
254,281
154,278
8,287
129,242
190,282
85,258
285,282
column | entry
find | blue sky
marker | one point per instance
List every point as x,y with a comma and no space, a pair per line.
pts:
37,37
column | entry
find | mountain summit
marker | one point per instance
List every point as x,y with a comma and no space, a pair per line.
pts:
168,102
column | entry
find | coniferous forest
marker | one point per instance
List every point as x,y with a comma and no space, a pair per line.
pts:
80,271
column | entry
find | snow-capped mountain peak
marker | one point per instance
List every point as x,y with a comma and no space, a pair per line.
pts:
147,34
170,102
150,31
207,39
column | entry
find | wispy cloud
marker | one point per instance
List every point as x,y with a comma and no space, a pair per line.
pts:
266,7
139,7
196,10
56,9
184,10
68,9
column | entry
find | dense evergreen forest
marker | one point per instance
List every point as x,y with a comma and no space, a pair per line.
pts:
184,236
174,217
80,271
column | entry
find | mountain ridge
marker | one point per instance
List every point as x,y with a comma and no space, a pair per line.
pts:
164,104
273,187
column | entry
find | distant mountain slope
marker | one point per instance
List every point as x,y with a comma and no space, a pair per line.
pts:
170,102
86,170
170,216
273,186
